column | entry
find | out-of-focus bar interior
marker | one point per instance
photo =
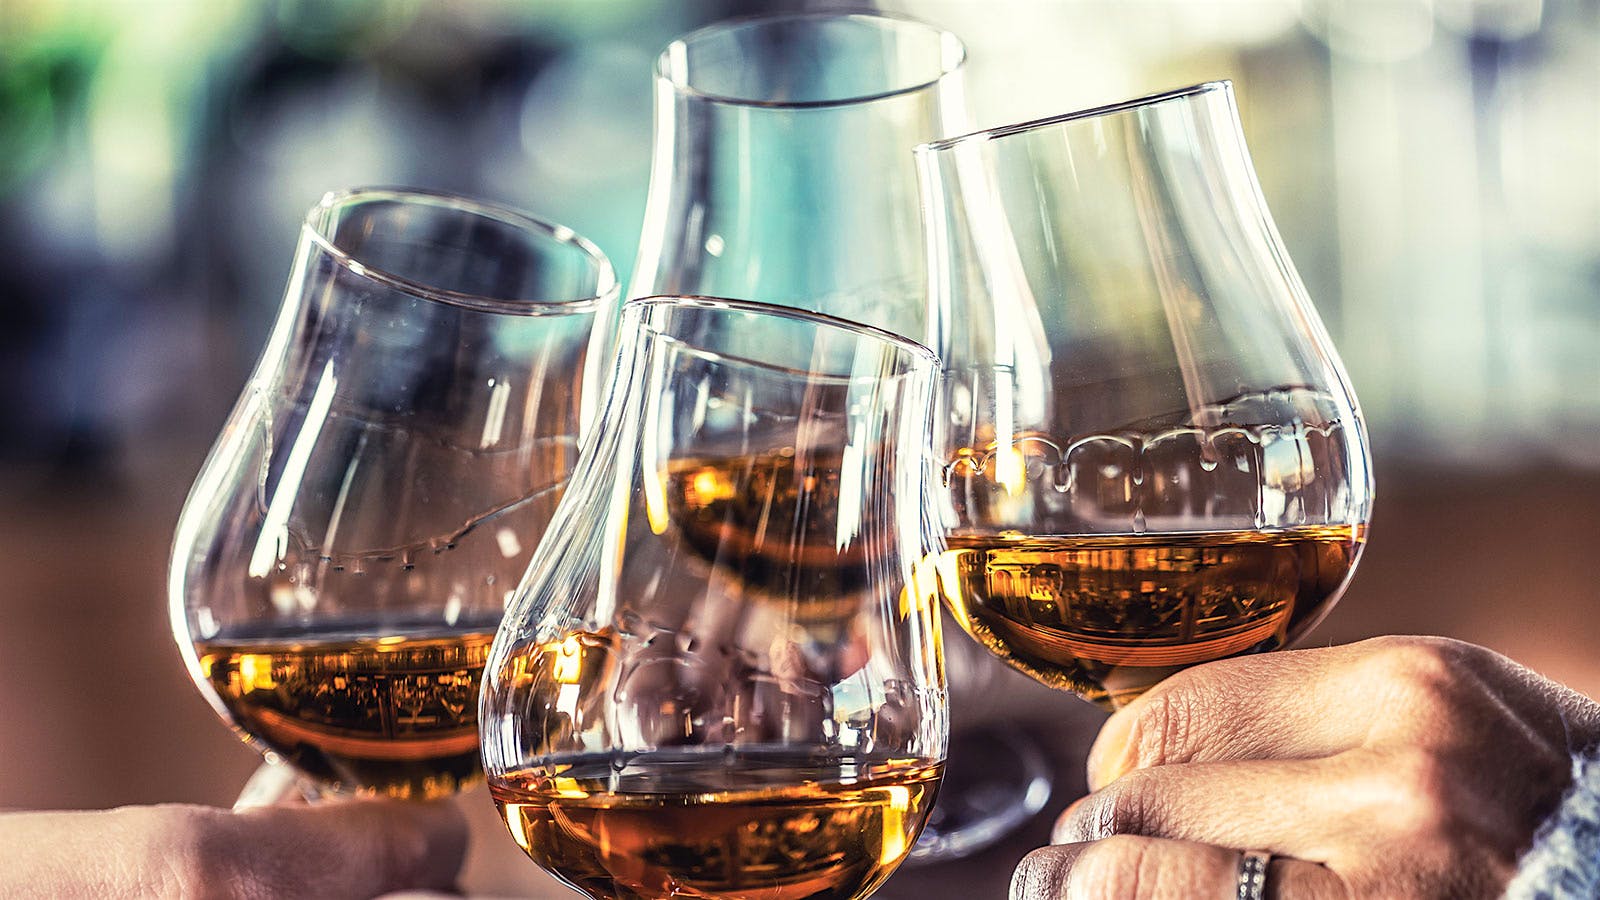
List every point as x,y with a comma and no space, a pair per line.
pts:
1433,165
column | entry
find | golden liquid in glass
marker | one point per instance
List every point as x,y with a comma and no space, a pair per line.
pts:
393,716
1107,616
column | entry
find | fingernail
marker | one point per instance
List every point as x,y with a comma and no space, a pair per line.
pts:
1112,755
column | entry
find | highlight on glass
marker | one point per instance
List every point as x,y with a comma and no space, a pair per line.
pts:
716,679
346,552
1151,455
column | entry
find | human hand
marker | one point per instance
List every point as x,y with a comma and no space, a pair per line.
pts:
1398,767
348,849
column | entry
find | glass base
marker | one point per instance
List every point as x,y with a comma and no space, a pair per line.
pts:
994,782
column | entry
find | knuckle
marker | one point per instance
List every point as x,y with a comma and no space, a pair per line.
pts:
1425,786
1162,731
1040,876
191,864
1110,869
1123,867
1420,804
1117,809
1405,654
1181,718
1429,670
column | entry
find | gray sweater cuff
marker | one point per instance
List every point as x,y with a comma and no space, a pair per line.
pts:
1564,862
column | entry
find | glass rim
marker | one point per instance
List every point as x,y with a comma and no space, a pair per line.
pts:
917,352
607,287
1194,90
949,64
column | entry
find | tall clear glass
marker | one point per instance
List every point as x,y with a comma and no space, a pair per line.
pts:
1151,454
717,680
783,173
782,167
346,552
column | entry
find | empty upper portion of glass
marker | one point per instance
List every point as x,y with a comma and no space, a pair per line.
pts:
461,251
1127,344
782,170
815,59
400,446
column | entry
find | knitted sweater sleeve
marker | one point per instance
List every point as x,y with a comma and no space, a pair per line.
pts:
1564,862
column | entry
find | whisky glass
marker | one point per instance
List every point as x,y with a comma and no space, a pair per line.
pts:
1150,454
716,679
347,550
782,173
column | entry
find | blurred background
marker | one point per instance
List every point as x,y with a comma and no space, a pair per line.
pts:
1434,166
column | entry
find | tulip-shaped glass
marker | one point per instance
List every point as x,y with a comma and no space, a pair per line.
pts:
343,559
716,679
1151,455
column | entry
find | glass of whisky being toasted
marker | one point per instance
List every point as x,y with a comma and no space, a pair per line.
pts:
348,548
715,680
1151,455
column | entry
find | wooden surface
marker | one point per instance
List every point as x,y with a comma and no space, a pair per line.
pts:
96,709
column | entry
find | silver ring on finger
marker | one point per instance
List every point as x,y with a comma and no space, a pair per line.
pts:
1253,875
